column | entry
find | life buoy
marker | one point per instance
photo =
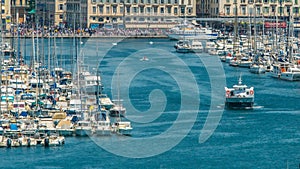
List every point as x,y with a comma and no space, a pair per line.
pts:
251,92
227,92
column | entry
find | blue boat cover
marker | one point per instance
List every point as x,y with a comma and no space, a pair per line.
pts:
24,113
13,127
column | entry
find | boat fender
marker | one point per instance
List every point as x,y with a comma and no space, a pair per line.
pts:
228,93
46,142
251,92
8,142
28,142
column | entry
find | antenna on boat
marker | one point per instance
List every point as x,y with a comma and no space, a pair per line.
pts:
240,79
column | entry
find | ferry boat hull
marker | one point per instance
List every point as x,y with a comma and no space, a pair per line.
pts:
239,103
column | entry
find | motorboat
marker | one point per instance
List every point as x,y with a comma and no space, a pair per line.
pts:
123,127
257,68
145,58
239,96
189,31
196,46
83,128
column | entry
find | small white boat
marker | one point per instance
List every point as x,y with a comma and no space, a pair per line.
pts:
102,128
257,69
144,58
239,96
123,127
83,128
196,46
105,101
54,140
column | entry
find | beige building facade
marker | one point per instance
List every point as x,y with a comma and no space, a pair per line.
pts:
139,13
265,8
60,12
99,13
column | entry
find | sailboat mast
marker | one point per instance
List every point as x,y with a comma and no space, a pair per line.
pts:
235,45
255,41
1,57
250,31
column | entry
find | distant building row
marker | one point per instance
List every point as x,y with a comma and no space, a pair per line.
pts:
137,13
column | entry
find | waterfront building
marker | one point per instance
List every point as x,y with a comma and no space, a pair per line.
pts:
139,13
60,12
284,10
99,13
76,13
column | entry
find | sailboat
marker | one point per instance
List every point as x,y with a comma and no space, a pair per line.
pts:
257,67
121,127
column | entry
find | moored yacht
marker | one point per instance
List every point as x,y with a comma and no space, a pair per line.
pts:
83,128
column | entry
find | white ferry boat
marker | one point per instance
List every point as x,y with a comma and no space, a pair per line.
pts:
184,31
239,97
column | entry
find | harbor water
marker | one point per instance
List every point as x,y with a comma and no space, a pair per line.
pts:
168,100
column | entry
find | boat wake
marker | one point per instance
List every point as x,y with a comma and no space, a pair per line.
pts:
257,107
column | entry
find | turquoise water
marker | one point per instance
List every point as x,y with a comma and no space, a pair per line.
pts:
266,137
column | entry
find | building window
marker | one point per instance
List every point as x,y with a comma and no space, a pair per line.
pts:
121,9
135,10
175,11
101,9
141,10
162,10
258,11
94,9
169,10
107,10
176,2
60,7
250,11
128,9
243,10
155,10
190,11
148,1
114,9
227,10
266,10
148,10
142,1
61,16
162,1
243,1
234,11
189,2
